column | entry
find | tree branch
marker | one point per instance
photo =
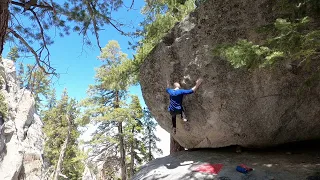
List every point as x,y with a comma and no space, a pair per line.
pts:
132,4
94,22
36,5
42,36
18,22
112,24
38,60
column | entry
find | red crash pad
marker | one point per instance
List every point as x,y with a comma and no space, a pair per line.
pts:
209,168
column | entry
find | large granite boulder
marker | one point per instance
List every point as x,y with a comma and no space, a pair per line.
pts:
258,108
21,136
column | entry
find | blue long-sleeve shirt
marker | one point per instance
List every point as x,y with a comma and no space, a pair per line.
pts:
176,97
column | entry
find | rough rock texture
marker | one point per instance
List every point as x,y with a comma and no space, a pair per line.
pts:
88,174
233,106
97,164
21,139
267,165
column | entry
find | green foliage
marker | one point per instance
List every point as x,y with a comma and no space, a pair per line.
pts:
161,16
37,81
293,41
149,137
106,105
51,99
56,130
114,74
298,41
118,120
13,54
294,37
3,106
297,9
20,75
132,129
248,55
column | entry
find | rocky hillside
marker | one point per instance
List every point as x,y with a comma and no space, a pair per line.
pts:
257,108
21,137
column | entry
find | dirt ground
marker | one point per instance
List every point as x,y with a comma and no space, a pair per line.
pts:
295,161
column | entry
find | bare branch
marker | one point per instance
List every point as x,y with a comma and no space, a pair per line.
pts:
112,24
18,22
42,36
29,78
36,5
94,22
132,4
38,60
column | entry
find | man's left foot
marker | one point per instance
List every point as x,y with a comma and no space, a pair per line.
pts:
185,120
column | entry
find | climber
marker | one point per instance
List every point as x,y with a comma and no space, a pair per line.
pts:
176,96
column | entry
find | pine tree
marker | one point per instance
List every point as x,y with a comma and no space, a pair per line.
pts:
13,54
120,125
107,100
51,99
149,137
61,146
38,83
133,129
20,75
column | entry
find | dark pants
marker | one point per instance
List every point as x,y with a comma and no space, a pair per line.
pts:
174,116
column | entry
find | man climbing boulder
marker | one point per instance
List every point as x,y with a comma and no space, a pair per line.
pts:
176,97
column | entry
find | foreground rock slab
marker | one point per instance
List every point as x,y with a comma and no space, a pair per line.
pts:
267,165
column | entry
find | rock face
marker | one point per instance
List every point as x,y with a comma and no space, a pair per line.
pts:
88,174
21,137
259,108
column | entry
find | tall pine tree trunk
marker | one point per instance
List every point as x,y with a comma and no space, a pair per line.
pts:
122,153
149,147
132,154
121,144
62,152
4,18
174,146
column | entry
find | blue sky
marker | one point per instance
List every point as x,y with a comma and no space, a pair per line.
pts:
76,63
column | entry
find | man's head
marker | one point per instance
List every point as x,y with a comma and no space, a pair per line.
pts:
176,85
